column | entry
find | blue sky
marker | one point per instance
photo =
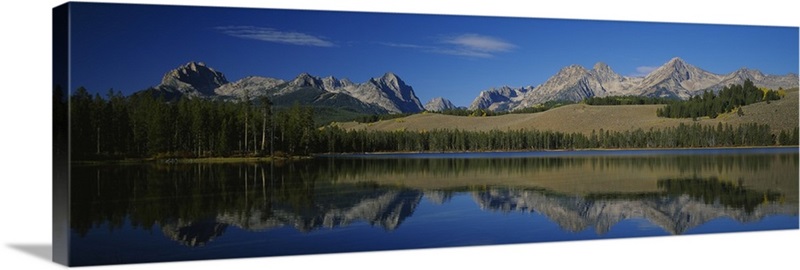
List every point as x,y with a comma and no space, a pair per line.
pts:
129,48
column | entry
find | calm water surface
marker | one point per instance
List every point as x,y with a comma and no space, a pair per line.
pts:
166,212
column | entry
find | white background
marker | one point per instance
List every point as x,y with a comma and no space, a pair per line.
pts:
25,147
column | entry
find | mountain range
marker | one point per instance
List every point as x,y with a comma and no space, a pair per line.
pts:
675,214
380,95
675,79
390,94
388,209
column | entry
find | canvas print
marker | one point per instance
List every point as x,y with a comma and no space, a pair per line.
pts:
195,133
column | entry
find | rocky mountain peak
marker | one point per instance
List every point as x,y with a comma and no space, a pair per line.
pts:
674,64
330,83
758,78
248,87
390,92
750,73
193,78
194,65
391,79
499,98
390,82
306,80
604,73
573,69
439,104
304,76
390,76
507,91
676,61
601,66
569,73
677,79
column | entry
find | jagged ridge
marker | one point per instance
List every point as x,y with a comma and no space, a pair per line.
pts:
674,79
439,104
193,79
385,94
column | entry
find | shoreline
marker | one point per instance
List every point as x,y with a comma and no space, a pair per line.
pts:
190,160
572,152
565,150
512,153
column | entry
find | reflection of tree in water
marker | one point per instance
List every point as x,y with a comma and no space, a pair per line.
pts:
454,167
714,191
181,198
194,203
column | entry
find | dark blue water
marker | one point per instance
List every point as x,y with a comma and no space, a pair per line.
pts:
158,212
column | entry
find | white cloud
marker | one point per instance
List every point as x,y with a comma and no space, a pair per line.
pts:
643,71
403,45
479,43
469,45
461,52
273,35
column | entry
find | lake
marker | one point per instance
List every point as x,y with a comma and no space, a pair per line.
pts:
132,213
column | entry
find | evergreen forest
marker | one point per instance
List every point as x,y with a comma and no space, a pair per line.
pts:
147,126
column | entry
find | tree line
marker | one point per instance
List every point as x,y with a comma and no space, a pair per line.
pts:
372,118
334,139
725,101
144,125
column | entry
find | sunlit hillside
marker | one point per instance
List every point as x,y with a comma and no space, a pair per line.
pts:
779,115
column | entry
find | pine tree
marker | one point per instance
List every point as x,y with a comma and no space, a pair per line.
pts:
266,115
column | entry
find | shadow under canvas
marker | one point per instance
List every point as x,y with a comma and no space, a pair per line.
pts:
42,251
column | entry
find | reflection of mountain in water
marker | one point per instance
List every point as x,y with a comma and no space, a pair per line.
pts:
193,233
195,203
683,205
673,210
438,197
387,210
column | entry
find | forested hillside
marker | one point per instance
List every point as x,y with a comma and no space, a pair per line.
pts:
147,126
727,100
